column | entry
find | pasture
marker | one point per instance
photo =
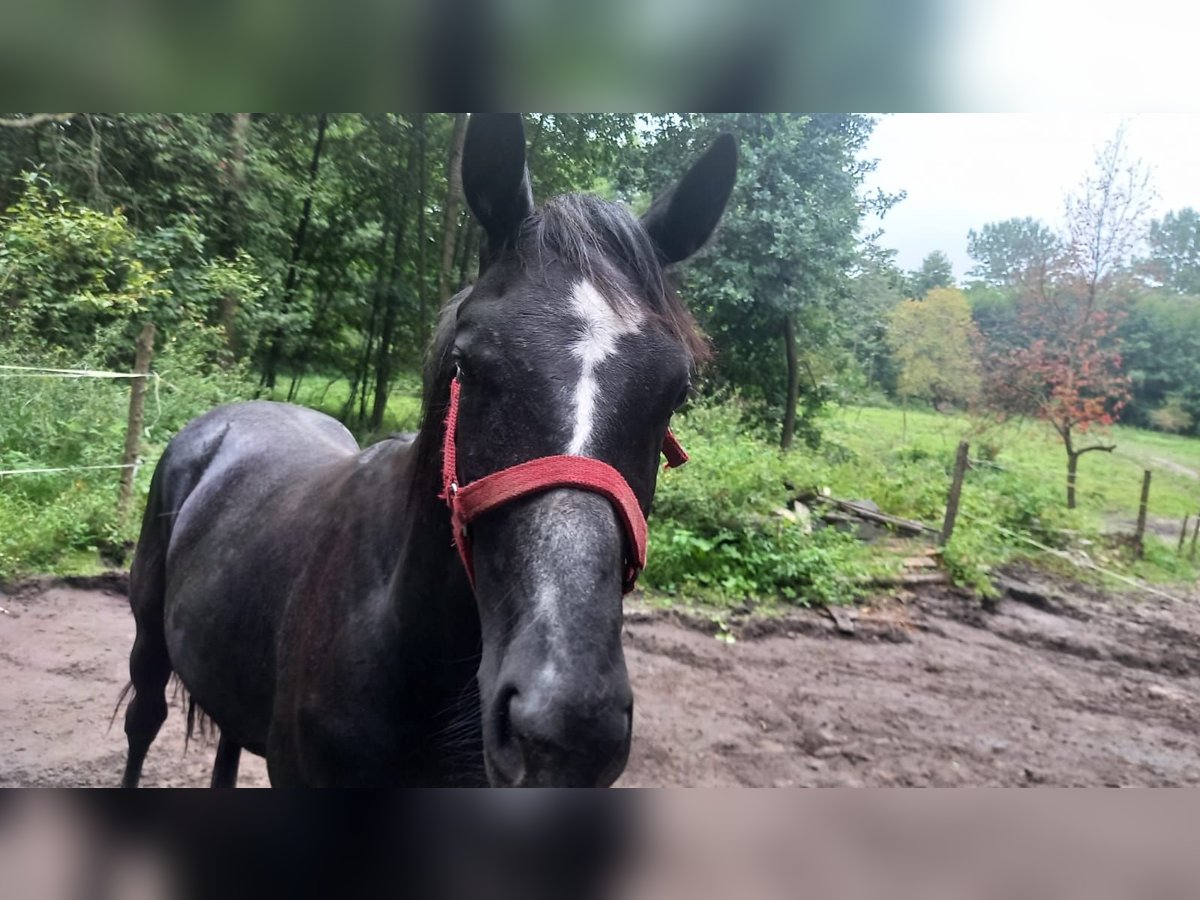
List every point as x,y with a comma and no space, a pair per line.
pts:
899,458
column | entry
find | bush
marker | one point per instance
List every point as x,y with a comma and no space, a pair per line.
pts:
775,560
714,533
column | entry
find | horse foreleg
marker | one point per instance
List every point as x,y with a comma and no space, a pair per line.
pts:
225,768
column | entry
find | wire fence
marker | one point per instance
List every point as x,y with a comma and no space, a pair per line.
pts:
14,371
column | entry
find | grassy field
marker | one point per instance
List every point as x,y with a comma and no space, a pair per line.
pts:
714,531
1108,484
894,457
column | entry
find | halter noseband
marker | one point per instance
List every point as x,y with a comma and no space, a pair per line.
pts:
468,502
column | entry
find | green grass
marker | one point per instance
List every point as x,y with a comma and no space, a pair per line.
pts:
64,523
1030,466
1108,484
716,535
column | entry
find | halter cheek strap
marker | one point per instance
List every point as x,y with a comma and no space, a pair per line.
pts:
468,502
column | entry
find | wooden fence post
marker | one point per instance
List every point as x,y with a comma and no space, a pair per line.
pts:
137,406
1139,535
1195,532
1182,534
960,469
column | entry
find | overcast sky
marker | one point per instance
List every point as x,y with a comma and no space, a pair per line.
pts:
964,170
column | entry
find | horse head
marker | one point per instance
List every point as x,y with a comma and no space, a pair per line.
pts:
571,343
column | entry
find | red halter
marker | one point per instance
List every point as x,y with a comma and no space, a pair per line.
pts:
468,502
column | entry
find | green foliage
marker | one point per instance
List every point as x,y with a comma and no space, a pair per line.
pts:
785,248
1174,257
875,290
936,272
1161,341
932,342
775,560
66,271
1007,253
714,533
1173,415
47,520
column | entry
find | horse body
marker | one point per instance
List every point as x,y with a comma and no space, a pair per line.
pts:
254,511
308,594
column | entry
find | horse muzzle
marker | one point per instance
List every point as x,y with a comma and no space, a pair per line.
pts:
542,736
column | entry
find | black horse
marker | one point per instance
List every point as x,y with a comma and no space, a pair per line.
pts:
307,593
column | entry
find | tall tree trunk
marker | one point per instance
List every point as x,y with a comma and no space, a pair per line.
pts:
358,390
387,331
470,256
233,234
292,281
362,365
793,382
453,198
422,236
301,367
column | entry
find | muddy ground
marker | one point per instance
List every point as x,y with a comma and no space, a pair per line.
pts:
1063,687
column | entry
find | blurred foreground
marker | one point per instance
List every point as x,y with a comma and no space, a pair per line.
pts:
588,845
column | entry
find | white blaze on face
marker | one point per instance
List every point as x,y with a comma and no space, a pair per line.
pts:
602,327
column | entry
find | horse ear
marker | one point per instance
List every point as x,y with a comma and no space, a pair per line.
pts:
495,179
682,220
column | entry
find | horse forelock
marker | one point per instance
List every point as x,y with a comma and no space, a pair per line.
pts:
610,248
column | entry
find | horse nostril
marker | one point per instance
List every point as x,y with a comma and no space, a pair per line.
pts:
504,730
506,754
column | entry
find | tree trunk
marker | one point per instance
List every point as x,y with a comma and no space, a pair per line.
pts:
301,362
231,239
133,429
1072,469
470,242
292,281
793,383
427,315
387,332
453,196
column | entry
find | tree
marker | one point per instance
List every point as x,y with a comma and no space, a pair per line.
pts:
1160,338
291,284
876,289
67,272
1069,374
933,344
453,200
936,272
1174,259
1009,252
769,290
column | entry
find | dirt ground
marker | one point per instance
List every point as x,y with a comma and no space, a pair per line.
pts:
1067,688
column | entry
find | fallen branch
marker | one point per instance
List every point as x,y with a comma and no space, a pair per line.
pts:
908,526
